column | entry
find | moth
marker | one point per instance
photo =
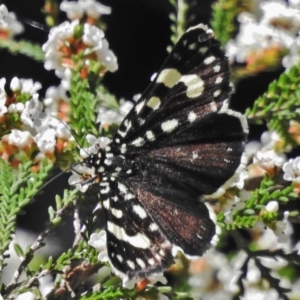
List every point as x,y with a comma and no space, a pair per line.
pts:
179,142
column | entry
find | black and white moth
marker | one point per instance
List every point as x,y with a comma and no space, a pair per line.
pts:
179,142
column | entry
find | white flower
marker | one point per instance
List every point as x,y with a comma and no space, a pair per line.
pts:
158,277
63,131
75,10
29,86
232,206
19,138
93,38
162,297
125,107
16,107
94,9
130,283
72,9
251,148
253,273
58,37
46,140
2,89
9,23
33,114
280,229
79,177
270,139
15,84
291,170
272,206
26,296
96,144
55,95
3,107
106,56
98,241
268,158
293,57
280,10
258,33
108,116
92,35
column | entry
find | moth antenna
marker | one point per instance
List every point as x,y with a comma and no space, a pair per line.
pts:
33,24
49,181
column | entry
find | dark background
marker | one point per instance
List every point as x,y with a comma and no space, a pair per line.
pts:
138,32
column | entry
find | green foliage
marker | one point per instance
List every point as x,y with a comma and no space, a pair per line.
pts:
83,104
279,105
268,190
17,190
179,19
23,47
224,18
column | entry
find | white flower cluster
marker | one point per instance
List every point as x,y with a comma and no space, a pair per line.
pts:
107,116
215,275
65,40
276,25
264,154
76,10
292,170
38,126
9,25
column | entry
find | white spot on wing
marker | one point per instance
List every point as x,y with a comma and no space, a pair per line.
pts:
154,103
129,196
195,154
107,162
120,258
140,211
106,204
169,125
153,227
122,188
123,148
150,135
219,80
139,240
213,106
217,93
192,46
194,84
192,116
139,142
141,263
122,133
116,212
203,50
209,60
131,264
217,68
169,77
